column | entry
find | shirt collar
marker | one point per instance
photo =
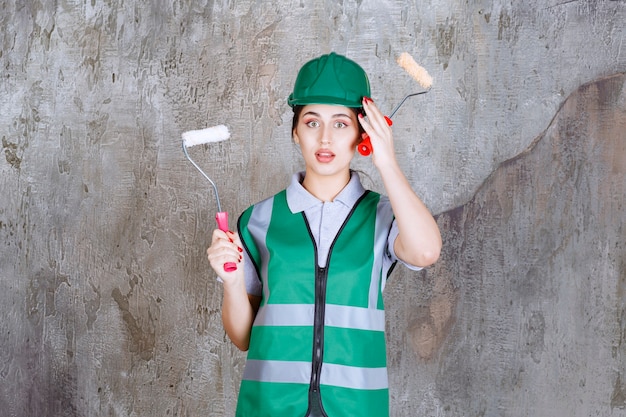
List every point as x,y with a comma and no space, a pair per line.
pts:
299,199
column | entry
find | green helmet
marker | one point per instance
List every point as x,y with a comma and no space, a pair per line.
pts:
330,79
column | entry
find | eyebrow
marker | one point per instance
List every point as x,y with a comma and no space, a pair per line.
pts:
312,113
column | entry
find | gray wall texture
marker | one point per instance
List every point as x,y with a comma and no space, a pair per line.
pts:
108,306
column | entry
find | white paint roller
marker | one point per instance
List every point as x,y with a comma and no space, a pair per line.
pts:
210,134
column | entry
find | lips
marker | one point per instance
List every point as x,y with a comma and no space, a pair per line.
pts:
324,155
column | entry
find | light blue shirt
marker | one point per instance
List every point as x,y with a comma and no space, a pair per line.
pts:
325,219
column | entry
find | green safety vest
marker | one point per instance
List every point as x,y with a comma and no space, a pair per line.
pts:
318,340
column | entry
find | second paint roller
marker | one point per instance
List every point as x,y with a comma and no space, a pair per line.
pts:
420,75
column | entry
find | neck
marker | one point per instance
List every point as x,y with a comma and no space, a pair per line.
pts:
325,188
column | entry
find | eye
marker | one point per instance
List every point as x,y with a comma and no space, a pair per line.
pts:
340,125
313,123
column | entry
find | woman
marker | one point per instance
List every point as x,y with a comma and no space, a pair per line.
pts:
306,300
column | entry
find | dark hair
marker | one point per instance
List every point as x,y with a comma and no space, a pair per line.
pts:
297,111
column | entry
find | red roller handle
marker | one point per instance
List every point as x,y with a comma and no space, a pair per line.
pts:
222,222
365,146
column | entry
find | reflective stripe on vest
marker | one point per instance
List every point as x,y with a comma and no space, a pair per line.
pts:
300,373
351,342
336,316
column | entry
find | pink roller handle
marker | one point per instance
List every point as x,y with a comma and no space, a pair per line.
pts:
365,146
222,222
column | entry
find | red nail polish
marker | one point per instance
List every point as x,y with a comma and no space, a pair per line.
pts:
239,249
368,100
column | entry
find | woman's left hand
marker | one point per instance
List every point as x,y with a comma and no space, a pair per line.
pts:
380,133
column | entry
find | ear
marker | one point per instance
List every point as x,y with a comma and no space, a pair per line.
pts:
296,139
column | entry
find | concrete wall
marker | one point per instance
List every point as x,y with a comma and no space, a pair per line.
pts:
108,305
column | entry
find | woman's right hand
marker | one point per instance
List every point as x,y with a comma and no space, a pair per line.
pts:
238,308
225,247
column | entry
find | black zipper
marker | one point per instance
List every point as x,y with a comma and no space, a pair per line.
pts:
315,399
321,278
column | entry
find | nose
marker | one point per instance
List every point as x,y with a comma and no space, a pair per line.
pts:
326,136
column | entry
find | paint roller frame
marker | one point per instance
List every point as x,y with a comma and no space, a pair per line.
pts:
192,138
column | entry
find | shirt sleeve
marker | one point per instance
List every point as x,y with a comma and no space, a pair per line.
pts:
393,234
251,279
